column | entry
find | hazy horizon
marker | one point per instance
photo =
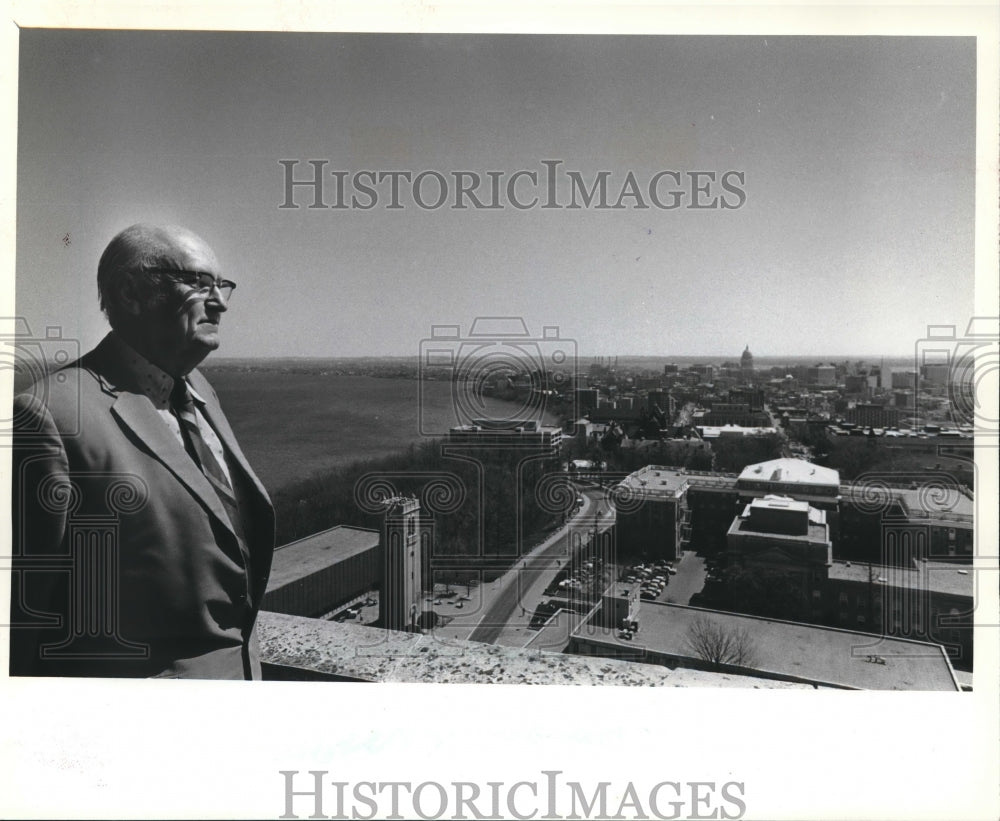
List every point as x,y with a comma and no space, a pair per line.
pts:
768,361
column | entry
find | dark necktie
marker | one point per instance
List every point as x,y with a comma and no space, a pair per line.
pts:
196,446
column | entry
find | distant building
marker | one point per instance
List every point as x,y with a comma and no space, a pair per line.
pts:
795,478
856,385
746,365
927,601
889,560
785,536
822,375
652,519
782,650
508,433
619,605
703,372
324,571
709,432
908,525
735,413
400,597
936,374
873,416
749,395
904,380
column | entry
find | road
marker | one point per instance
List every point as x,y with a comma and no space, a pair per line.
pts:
523,585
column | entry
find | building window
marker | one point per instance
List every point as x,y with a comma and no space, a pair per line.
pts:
861,619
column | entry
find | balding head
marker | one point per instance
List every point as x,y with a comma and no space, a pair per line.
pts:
125,266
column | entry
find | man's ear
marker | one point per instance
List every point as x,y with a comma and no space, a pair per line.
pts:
129,299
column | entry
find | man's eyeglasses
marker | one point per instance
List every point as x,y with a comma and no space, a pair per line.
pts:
201,281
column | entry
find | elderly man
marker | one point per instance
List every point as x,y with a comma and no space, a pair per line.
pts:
142,538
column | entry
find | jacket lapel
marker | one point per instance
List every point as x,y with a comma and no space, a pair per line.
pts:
138,415
219,422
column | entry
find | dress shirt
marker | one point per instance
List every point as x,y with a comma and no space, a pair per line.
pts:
157,385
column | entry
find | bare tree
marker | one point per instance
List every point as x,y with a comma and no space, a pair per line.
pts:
717,644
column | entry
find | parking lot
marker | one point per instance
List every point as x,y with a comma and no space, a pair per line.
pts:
690,579
685,579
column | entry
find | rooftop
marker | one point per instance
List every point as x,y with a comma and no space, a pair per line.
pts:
656,480
772,502
936,503
492,430
826,655
370,654
797,471
748,526
318,551
934,577
714,432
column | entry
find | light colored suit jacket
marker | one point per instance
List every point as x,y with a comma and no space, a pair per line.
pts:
125,561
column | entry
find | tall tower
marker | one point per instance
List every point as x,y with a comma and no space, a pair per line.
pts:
746,365
399,599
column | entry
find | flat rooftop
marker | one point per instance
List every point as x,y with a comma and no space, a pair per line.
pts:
372,654
316,552
935,577
712,481
816,533
655,480
928,502
773,502
715,431
827,655
798,471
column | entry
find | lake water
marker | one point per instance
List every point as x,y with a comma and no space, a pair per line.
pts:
295,425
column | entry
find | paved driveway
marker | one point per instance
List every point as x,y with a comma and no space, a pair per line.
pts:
690,579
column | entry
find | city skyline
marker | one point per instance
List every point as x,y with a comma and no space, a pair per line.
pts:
841,172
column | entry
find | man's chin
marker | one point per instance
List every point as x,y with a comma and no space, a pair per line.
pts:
209,341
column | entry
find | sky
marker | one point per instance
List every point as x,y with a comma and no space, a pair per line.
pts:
855,231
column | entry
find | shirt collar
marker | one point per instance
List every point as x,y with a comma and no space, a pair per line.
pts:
147,378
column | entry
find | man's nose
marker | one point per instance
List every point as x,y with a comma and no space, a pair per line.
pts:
217,300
